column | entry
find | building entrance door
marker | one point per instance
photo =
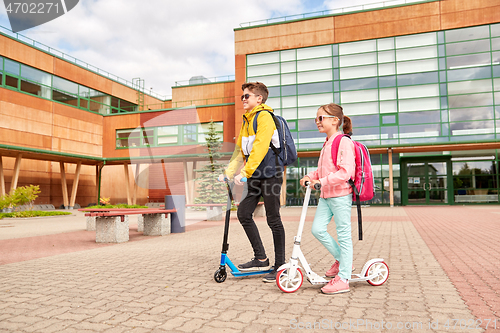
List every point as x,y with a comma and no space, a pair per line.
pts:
427,182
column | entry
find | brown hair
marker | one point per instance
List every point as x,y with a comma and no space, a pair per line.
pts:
336,110
258,88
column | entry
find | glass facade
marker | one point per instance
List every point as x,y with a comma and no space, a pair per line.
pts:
23,78
172,135
437,87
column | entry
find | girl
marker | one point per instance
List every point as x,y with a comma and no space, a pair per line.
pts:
336,195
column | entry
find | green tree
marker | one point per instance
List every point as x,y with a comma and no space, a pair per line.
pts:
210,190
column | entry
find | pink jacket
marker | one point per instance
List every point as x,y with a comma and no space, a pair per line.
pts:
334,178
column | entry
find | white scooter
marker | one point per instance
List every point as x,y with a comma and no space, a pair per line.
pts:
289,277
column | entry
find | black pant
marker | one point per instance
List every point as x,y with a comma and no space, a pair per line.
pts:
270,190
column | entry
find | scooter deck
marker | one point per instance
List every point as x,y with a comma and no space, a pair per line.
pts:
236,272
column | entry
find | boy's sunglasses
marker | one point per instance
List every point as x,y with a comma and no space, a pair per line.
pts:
319,119
246,96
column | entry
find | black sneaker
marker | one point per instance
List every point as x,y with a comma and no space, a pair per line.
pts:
254,265
271,276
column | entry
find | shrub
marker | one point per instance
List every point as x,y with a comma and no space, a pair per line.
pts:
20,196
25,195
32,213
104,201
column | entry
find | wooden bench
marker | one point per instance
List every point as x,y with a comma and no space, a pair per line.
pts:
214,210
112,224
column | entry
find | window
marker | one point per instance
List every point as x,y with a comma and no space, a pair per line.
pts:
467,34
470,100
314,76
128,138
427,90
467,87
416,40
359,59
263,70
311,88
417,66
418,78
475,46
168,135
419,117
36,82
471,114
314,52
429,103
12,71
472,127
388,119
359,96
315,64
416,53
469,73
263,58
358,47
317,99
471,60
365,121
359,84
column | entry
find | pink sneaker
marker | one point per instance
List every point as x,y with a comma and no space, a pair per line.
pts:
335,286
334,270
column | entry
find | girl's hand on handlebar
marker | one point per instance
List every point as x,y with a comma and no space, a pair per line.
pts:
313,184
304,180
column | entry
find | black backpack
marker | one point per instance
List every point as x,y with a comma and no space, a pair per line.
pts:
286,154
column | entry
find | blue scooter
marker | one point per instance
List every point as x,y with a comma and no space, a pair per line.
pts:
221,273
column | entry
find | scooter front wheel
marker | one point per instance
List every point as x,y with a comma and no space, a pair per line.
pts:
220,275
381,270
287,283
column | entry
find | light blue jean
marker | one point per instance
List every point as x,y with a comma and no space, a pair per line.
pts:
340,209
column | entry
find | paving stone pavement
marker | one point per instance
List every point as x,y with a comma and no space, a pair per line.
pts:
165,284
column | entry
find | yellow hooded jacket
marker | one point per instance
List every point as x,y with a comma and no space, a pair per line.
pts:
255,145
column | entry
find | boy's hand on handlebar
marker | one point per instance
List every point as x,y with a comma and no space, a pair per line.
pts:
222,177
238,179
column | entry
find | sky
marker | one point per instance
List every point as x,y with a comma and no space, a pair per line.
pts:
162,41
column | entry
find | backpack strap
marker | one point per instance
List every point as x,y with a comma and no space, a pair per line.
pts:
278,126
335,151
335,147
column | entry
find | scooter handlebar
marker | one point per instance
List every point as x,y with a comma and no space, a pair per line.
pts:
243,180
317,186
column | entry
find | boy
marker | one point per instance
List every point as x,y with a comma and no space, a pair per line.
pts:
264,177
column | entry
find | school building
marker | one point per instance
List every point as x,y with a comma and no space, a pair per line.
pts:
421,82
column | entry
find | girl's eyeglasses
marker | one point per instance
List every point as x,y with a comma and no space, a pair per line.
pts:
319,119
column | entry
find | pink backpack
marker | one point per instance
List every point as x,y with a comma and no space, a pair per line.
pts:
363,184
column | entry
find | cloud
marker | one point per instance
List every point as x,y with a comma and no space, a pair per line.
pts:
157,40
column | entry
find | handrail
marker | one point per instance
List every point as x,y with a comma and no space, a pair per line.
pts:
327,12
7,32
204,80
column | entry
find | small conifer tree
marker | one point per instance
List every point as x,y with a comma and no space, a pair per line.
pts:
210,190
